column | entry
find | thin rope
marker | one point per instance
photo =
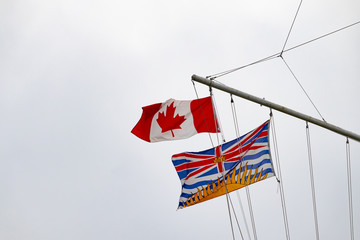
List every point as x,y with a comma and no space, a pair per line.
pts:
233,110
322,36
246,187
222,173
278,54
242,237
312,181
236,216
307,95
244,66
227,200
282,196
287,38
349,189
197,96
223,138
243,214
251,212
237,132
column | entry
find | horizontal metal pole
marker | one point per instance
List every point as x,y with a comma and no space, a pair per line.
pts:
277,107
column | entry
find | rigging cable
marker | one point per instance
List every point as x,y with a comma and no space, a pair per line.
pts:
227,200
237,132
236,216
282,196
322,36
349,188
244,66
222,173
237,222
303,88
282,50
280,53
233,109
287,38
312,181
218,122
251,211
243,213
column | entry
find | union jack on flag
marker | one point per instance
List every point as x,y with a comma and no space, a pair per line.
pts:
211,173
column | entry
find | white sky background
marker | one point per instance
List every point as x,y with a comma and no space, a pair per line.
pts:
75,74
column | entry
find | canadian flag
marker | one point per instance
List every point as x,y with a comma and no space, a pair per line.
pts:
176,119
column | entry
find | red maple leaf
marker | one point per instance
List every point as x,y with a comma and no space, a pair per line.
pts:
168,122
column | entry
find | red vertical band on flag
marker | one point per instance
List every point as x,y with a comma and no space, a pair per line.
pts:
203,115
218,158
142,128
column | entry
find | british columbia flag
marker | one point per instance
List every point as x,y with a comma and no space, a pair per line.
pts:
237,163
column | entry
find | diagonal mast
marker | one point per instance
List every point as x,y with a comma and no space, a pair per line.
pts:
277,107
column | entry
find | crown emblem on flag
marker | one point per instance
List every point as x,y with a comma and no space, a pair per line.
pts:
219,159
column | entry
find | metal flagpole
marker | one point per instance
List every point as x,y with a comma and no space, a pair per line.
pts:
277,107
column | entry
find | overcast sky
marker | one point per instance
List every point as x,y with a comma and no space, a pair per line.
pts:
75,74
